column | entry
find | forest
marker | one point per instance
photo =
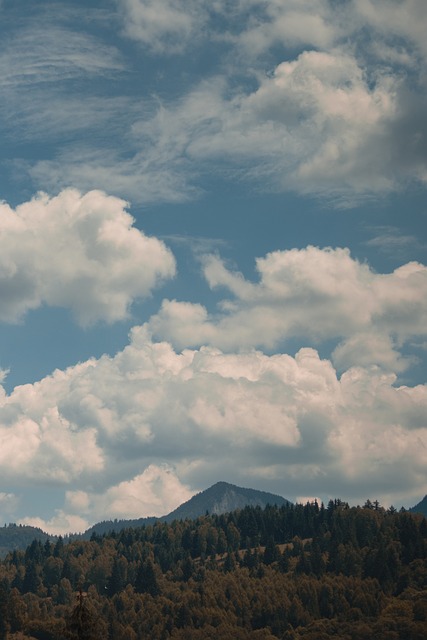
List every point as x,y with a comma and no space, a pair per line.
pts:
294,572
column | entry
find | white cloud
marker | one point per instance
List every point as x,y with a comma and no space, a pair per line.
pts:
60,524
338,116
50,116
311,23
317,124
363,349
311,293
145,429
147,176
165,26
404,19
171,26
76,251
390,240
155,492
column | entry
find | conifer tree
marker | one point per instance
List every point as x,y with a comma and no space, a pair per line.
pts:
3,613
146,580
84,622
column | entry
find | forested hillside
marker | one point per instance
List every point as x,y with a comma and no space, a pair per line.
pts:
286,572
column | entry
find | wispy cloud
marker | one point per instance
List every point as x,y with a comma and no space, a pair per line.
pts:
36,56
390,240
316,113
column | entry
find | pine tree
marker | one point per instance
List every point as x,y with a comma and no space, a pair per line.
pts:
3,613
115,582
271,552
84,623
146,580
32,580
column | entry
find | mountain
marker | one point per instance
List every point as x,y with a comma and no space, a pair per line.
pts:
222,498
421,507
106,526
18,536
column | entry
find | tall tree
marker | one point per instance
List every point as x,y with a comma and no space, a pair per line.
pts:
146,580
3,613
84,622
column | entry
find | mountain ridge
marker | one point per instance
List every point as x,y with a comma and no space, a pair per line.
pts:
221,497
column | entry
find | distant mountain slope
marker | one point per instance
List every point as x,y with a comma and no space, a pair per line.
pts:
18,536
421,507
106,526
222,498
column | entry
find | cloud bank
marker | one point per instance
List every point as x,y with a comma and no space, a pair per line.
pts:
190,399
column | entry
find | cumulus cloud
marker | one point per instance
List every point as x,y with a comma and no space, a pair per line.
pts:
311,293
365,348
76,251
148,427
155,492
60,524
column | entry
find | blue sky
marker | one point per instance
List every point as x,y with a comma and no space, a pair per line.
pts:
213,248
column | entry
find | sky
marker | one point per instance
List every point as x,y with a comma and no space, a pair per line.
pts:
213,234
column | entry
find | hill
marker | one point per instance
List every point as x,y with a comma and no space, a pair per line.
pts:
421,507
18,536
223,497
108,526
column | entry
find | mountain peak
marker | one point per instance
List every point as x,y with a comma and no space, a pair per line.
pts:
223,497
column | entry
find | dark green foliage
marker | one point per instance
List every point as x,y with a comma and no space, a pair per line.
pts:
31,582
146,580
116,582
84,622
3,613
18,537
288,572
